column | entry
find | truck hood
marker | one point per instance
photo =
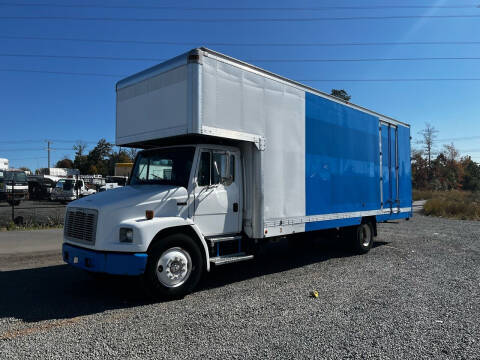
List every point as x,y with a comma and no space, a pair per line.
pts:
126,206
131,201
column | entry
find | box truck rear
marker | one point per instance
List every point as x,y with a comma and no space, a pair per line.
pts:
233,156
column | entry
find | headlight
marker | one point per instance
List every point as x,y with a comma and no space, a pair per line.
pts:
126,235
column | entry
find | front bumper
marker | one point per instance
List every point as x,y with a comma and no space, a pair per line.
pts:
105,262
61,197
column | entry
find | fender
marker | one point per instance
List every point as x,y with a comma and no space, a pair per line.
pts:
144,231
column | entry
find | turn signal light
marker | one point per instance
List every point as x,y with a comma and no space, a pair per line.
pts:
149,214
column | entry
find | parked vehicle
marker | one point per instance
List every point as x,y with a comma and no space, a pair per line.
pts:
13,186
109,186
40,187
70,189
235,156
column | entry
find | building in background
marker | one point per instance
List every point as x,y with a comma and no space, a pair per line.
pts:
3,164
60,172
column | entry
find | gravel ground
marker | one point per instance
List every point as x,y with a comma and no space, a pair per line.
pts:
415,295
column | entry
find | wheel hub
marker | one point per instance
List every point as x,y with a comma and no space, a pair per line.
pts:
174,267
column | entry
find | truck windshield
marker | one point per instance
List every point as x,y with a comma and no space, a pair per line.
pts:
163,166
65,184
19,176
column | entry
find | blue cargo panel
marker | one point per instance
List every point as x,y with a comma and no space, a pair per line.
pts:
342,158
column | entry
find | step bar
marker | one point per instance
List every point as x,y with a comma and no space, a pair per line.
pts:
231,258
218,239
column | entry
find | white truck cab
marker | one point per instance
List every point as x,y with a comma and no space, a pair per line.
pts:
70,189
192,190
232,156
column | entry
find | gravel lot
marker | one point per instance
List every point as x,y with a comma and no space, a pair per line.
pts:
415,295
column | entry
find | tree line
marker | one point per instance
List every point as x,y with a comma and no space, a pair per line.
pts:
444,169
100,160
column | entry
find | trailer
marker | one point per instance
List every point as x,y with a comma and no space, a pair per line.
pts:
234,156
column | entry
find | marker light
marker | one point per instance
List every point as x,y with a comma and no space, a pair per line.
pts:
149,214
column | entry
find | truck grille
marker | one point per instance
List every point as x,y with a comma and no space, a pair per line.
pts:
81,225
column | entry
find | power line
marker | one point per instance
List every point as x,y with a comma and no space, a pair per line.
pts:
186,8
299,80
63,73
29,158
394,79
42,140
121,58
36,149
459,138
196,43
240,20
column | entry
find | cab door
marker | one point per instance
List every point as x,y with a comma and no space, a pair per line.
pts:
217,193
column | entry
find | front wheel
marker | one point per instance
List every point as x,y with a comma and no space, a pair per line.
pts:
174,268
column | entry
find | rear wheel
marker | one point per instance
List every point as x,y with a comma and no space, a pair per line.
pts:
361,237
174,268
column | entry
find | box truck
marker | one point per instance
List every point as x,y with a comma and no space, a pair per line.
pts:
234,156
13,186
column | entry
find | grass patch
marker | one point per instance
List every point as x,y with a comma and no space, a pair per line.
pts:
13,227
455,204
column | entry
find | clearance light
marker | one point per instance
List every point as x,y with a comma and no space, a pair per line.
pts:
149,214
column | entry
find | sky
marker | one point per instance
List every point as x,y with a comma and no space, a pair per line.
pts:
37,105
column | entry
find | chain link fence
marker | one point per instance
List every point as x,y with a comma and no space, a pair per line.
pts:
31,214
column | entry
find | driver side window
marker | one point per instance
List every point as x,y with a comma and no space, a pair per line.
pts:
214,168
204,169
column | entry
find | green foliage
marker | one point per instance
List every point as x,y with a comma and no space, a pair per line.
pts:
456,204
445,172
101,159
64,163
341,94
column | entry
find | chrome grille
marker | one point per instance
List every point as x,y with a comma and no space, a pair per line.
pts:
81,225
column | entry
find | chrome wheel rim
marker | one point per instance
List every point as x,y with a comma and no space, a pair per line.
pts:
365,235
174,267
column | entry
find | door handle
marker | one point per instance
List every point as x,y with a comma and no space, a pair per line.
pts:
235,207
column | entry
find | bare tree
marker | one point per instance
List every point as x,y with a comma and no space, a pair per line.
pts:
132,153
79,148
429,136
451,152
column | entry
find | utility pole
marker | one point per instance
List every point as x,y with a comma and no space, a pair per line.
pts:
48,149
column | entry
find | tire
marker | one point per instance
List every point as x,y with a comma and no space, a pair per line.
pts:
174,268
362,238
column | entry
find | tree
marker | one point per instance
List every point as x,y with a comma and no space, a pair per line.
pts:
341,94
98,158
132,153
429,135
419,170
122,156
79,148
65,163
471,176
451,152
